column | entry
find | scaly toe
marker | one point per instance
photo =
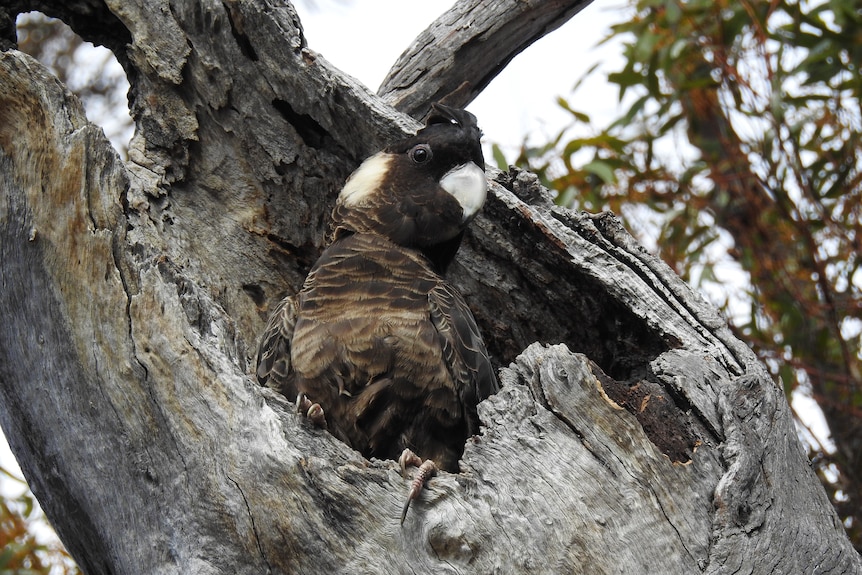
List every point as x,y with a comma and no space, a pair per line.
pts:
426,471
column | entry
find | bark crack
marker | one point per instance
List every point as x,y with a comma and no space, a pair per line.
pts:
253,525
561,416
671,523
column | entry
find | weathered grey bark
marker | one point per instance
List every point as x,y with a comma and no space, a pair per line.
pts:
649,440
465,48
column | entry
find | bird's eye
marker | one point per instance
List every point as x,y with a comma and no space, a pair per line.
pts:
420,153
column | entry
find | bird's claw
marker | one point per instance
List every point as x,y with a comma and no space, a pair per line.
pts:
427,470
408,458
312,411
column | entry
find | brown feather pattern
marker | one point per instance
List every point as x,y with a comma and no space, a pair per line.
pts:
376,336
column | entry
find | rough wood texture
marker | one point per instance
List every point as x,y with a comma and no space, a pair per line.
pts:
466,47
648,441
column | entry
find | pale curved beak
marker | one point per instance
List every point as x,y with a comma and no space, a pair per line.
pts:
468,185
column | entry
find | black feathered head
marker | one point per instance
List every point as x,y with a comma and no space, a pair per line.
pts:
422,191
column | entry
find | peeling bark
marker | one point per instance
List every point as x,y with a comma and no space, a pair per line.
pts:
133,293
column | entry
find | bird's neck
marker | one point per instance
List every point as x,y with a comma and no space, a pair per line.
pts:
441,255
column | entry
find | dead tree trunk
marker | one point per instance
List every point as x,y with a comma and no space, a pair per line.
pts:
645,439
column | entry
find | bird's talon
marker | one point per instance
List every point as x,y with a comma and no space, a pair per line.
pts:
316,416
312,411
426,471
408,458
302,403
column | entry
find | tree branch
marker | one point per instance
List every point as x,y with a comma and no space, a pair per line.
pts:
465,48
133,294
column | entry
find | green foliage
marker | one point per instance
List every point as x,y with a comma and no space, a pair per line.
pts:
741,135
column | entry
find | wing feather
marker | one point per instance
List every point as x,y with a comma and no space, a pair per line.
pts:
463,350
273,355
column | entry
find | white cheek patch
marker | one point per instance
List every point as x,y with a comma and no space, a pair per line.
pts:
363,183
468,185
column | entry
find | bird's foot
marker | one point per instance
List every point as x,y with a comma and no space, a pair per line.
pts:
427,470
310,410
